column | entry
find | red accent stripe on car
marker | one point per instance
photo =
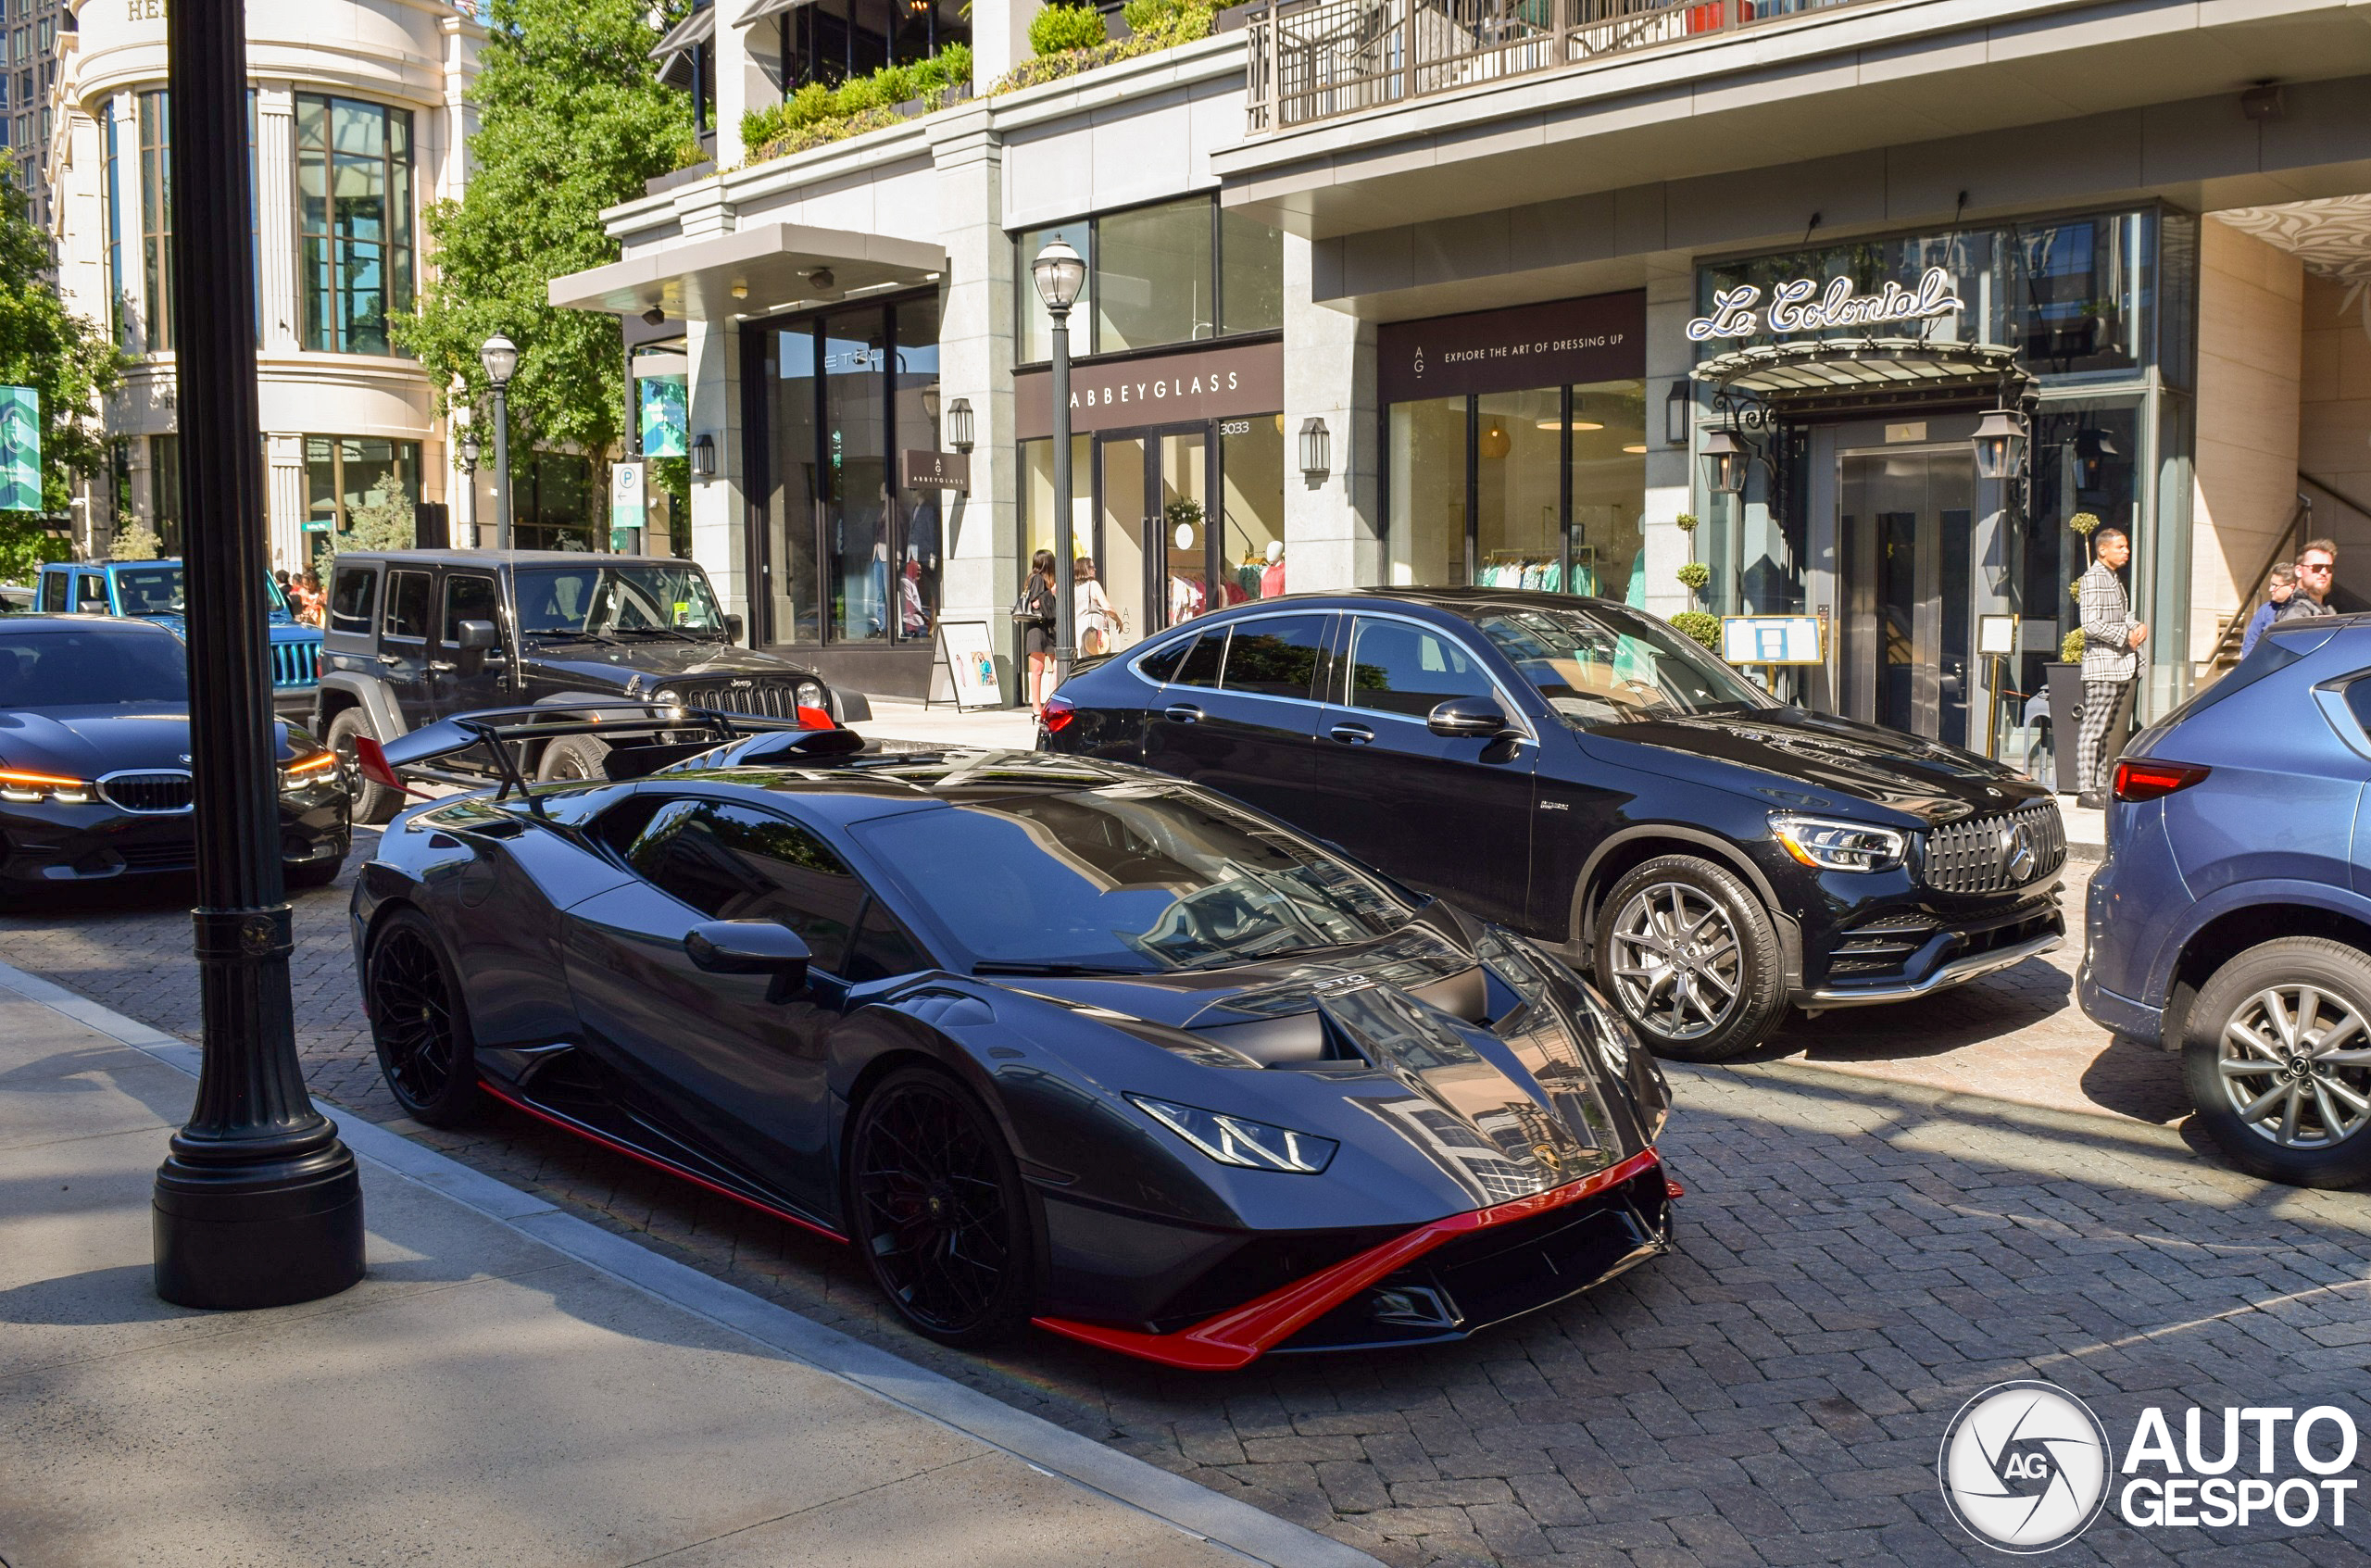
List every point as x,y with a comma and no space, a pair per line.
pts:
589,1135
1241,1335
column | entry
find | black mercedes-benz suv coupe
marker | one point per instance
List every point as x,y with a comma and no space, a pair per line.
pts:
1575,770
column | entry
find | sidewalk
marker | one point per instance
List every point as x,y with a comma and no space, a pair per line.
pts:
509,1386
896,721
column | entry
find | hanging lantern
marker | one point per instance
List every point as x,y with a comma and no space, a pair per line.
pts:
1496,442
1725,460
1999,443
1316,450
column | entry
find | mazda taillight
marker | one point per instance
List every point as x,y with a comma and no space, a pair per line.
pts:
1060,711
2138,778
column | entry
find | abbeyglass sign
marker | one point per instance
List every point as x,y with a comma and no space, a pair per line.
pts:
1811,305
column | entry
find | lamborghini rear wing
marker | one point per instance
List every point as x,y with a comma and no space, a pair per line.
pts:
503,734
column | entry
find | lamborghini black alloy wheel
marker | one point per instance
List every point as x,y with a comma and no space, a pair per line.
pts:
423,1042
936,1208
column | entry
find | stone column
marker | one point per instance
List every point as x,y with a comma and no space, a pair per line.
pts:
1334,530
1670,470
999,37
284,501
276,216
975,350
719,504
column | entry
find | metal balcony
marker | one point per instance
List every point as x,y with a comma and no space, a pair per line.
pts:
1321,60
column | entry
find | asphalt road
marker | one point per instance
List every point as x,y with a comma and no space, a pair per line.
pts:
1875,1230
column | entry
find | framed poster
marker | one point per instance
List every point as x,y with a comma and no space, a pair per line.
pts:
971,661
1772,639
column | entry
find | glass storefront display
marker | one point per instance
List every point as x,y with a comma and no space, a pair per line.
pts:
1251,524
1180,272
845,555
1865,508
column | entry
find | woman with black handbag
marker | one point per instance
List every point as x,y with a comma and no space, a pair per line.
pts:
1034,610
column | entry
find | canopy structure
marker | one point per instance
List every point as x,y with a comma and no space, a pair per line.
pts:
752,272
1859,371
676,51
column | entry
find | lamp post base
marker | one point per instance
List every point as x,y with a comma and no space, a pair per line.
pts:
234,1233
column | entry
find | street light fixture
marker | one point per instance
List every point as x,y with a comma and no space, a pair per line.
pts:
1316,451
1999,443
258,1203
1059,273
1679,412
500,357
1725,461
959,424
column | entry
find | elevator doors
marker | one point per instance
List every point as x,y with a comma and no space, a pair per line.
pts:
1905,522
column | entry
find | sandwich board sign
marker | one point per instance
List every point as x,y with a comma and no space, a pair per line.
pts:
970,661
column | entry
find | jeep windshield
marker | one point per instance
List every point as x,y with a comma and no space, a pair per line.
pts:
635,599
1607,664
150,590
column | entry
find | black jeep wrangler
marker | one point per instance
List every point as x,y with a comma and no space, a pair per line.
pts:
411,637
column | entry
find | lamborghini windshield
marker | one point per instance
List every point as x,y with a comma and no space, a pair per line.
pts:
1127,879
634,600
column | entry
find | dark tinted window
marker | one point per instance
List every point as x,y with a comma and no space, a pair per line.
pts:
467,598
91,593
408,604
1275,654
91,668
730,862
353,591
150,590
1613,666
1161,664
882,947
1202,666
53,591
1397,666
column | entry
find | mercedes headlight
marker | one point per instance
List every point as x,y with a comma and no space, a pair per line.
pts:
1233,1140
1838,847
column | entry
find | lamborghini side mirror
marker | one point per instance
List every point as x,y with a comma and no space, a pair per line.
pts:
752,947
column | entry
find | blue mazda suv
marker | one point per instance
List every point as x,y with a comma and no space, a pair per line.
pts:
2232,919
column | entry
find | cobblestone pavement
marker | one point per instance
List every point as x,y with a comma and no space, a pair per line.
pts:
1855,1258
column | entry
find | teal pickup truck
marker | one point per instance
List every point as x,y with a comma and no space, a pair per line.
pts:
152,591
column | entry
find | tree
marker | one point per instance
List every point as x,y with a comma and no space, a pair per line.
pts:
138,542
384,520
68,361
571,120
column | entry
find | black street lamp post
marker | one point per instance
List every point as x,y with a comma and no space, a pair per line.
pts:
500,357
1059,274
257,1204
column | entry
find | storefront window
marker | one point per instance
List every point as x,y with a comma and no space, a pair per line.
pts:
1037,499
165,489
1182,271
2084,457
344,473
1428,502
1518,488
921,543
157,218
856,476
1153,276
354,204
791,513
1251,492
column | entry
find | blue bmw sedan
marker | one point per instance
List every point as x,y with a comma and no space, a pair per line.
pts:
2232,919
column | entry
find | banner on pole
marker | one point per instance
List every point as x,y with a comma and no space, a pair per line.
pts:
666,417
19,449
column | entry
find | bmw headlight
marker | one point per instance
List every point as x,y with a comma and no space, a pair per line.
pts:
1233,1140
1838,847
23,788
298,772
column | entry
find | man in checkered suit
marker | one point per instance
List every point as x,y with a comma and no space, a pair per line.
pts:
2112,640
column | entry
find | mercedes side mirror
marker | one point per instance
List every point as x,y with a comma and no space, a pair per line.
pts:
475,637
732,628
1469,718
752,947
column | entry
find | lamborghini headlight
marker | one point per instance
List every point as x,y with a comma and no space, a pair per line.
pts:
1838,847
1233,1140
1607,1027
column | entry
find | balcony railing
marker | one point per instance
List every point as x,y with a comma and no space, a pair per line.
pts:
1321,60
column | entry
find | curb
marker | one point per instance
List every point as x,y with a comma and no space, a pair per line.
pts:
1183,1504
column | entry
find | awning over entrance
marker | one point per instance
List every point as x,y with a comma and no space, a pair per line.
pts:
683,41
752,272
1859,369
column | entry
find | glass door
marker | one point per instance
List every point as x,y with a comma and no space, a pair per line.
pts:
1905,519
1124,511
1153,542
1184,477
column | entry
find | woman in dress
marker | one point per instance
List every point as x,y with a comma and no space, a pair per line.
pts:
1037,632
1099,622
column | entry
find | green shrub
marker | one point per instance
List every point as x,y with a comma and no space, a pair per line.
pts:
1685,522
1188,22
1144,16
2070,651
1695,574
816,114
1703,628
138,542
1057,30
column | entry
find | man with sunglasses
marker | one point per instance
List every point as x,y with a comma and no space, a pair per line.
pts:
2316,565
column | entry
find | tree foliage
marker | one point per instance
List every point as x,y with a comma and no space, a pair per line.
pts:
68,361
385,521
137,542
569,120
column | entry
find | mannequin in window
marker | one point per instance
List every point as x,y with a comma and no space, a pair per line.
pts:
1271,579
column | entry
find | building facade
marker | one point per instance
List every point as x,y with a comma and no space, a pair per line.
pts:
356,120
28,48
1527,278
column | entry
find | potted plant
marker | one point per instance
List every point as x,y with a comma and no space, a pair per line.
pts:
2064,683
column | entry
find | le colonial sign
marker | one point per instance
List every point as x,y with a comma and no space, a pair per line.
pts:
1812,305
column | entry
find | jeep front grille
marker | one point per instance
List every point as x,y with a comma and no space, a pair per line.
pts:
764,699
1982,854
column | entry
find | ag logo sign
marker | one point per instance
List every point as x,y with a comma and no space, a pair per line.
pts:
2024,1467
